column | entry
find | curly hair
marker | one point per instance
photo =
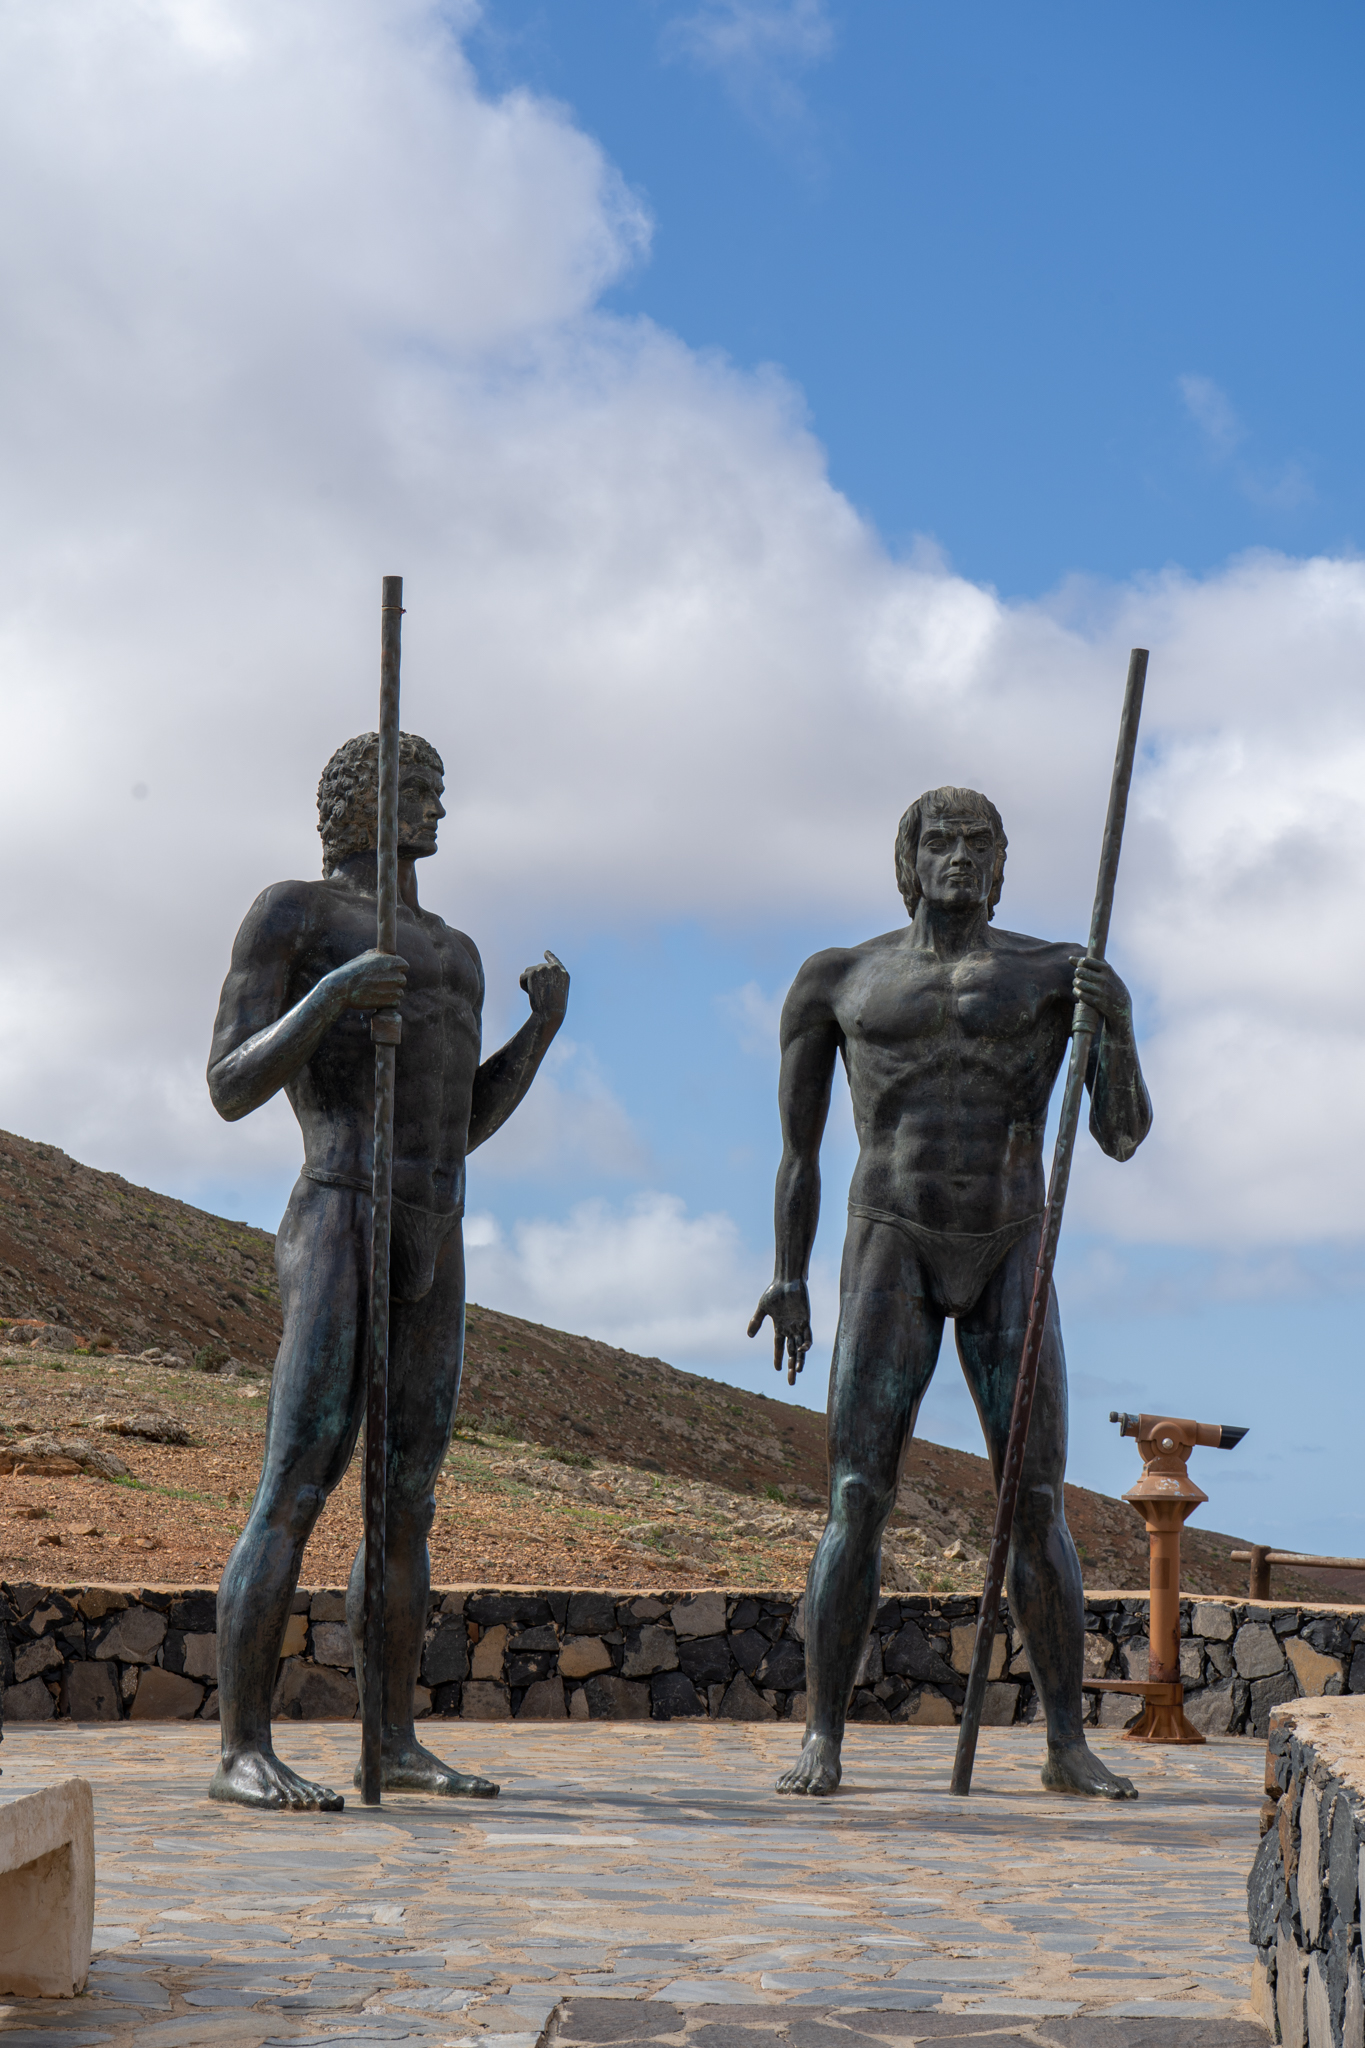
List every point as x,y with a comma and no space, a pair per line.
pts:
938,803
348,793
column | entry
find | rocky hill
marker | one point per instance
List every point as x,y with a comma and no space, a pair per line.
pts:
117,1270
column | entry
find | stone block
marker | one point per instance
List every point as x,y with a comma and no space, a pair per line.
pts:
31,1660
706,1660
796,1707
1353,2009
1214,1710
445,1653
90,1692
784,1667
617,1699
1257,1651
743,1703
1342,1861
999,1706
1117,1709
489,1652
194,1613
581,1656
332,1644
926,1709
1289,1974
1317,2012
517,1610
578,1705
165,1696
47,1891
653,1649
421,1703
1312,1669
543,1701
1098,1654
909,1654
963,1639
30,1701
1268,1693
521,1671
1263,1995
294,1641
702,1615
1212,1619
594,1614
1135,1657
201,1657
135,1637
311,1692
674,1697
645,1608
327,1606
1191,1661
869,1670
749,1646
484,1700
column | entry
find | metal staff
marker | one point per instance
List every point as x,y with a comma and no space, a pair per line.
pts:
386,1030
1083,1027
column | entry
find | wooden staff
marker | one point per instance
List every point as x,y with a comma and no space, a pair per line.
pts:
386,1031
1084,1025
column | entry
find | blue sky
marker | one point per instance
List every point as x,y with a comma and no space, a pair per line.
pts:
776,408
1072,290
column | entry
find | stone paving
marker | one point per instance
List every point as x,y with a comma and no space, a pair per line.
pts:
654,1863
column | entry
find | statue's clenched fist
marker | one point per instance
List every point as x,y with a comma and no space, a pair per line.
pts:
548,987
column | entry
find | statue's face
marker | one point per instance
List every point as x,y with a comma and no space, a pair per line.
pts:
956,861
420,811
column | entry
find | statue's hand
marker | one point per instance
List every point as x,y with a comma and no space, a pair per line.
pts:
548,989
788,1303
1096,983
372,981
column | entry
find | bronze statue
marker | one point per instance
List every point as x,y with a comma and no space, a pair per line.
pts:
294,1014
951,1035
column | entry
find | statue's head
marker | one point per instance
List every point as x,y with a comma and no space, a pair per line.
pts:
969,817
348,799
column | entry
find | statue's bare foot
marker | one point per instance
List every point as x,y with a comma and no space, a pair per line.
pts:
1077,1769
256,1777
407,1767
817,1770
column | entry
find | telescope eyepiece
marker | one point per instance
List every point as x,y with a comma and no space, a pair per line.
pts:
1230,1436
1128,1424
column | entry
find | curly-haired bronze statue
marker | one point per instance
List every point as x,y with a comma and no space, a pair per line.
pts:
294,1014
951,1034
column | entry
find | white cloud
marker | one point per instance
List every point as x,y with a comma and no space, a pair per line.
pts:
756,48
289,304
1213,413
570,1124
1281,489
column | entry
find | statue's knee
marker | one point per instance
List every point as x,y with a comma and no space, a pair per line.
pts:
303,1510
860,1503
411,1514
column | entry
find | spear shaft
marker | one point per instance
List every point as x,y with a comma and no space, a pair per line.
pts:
1083,1028
386,1031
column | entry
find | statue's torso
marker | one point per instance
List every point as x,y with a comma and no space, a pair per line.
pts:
950,1067
333,1095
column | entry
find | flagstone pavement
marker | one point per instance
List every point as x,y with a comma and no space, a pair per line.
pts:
652,1863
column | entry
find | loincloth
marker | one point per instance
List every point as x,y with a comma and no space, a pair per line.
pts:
416,1235
958,1262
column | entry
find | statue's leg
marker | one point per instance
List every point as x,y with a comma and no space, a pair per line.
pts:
426,1349
884,1356
1043,1576
314,1416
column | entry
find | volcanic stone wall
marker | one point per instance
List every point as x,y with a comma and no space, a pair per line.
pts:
1303,1895
151,1652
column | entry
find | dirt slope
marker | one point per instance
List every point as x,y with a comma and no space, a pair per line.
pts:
126,1270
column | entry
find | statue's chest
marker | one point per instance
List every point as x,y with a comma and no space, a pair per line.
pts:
938,1002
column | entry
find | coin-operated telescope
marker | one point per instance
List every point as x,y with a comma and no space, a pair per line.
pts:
1165,1497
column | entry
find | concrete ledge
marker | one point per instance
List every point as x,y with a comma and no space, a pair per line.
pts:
1303,1895
47,1890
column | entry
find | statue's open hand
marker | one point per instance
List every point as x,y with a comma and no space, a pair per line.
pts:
548,988
372,981
1096,983
788,1303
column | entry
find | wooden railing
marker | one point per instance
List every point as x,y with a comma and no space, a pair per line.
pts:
1261,1557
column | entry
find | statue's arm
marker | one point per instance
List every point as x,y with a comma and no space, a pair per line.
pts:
505,1075
260,1040
810,1046
1120,1107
